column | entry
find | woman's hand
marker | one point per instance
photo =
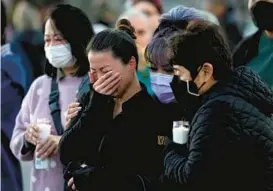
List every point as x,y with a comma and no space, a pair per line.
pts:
71,184
32,134
49,147
72,111
108,83
182,72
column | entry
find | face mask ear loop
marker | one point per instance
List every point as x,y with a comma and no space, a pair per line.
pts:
188,85
188,89
193,81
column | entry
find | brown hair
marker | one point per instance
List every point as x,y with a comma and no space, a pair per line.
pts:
156,3
125,25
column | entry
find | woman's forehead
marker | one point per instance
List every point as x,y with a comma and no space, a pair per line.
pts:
101,58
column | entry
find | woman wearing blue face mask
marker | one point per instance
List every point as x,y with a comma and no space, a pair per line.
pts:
157,53
49,96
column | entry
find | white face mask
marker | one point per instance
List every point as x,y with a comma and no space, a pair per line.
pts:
60,56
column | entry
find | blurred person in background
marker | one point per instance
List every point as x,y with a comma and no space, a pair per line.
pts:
106,15
144,33
152,8
22,54
117,125
142,25
225,13
11,97
230,142
50,94
256,51
27,41
99,27
25,16
28,18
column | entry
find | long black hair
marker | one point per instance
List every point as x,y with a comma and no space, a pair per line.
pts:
121,41
76,29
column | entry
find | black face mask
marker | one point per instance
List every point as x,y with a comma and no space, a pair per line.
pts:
186,94
262,13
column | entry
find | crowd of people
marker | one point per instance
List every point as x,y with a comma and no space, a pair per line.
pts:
111,96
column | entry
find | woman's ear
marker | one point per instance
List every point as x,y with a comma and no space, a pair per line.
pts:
132,63
208,70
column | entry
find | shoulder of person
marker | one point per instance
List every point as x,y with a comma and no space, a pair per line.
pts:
213,110
213,117
42,79
39,82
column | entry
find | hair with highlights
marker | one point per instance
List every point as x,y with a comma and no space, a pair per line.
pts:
156,52
175,21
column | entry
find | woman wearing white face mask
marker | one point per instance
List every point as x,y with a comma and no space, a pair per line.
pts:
50,95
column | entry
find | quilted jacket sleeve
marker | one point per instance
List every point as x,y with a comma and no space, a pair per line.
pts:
206,151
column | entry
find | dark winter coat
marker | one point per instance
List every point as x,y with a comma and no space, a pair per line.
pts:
230,144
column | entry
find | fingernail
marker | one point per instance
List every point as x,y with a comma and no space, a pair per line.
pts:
79,108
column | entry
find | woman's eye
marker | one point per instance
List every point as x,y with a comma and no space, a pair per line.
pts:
147,13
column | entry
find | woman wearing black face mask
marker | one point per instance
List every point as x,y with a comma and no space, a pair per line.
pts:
256,51
230,142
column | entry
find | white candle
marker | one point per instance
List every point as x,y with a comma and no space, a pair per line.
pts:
180,135
44,130
44,134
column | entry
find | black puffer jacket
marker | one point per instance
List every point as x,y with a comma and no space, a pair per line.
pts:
230,144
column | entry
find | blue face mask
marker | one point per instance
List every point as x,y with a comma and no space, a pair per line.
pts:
160,84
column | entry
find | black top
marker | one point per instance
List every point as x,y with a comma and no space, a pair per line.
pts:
230,144
126,147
